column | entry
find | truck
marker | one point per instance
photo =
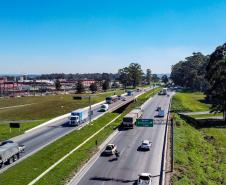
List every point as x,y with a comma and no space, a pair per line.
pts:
161,113
130,119
78,117
111,99
130,93
164,91
10,152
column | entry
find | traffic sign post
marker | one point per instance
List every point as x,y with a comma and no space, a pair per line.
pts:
145,122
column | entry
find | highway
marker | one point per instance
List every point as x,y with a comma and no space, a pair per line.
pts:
125,170
41,137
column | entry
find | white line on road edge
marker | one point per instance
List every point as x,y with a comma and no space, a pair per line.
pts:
67,155
79,175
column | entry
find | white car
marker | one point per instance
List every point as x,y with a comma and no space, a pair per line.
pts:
104,108
110,149
144,179
145,145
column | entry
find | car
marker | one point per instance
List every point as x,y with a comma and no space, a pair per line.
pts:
123,98
144,179
145,145
119,97
110,149
104,108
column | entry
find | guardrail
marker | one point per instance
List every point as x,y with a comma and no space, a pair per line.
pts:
162,171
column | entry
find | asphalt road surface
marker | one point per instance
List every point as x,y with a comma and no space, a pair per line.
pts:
125,170
37,139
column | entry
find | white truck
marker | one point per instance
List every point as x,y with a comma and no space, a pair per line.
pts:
164,91
78,117
129,120
10,152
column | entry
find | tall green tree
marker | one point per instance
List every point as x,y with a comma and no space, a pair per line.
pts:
93,87
57,85
80,87
165,79
191,72
105,85
135,74
216,75
124,77
155,78
148,76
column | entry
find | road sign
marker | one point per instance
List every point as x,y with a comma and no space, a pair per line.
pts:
145,122
14,125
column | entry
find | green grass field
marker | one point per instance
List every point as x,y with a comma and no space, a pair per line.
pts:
45,107
31,167
189,102
199,153
5,131
199,159
206,115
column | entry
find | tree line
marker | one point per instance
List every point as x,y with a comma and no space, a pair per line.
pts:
205,73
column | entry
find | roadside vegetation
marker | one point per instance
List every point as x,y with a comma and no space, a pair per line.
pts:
189,102
199,152
53,152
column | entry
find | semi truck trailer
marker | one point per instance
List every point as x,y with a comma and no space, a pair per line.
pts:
130,119
10,152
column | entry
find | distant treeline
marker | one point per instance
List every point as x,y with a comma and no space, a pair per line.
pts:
205,73
77,76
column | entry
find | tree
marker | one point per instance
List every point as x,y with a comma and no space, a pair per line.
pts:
148,76
105,85
124,78
216,76
57,85
165,79
80,87
93,87
191,72
155,78
135,74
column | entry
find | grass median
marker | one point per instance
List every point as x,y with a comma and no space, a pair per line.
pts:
30,168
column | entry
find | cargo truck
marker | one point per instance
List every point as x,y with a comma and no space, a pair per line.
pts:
130,119
111,99
10,152
130,93
78,117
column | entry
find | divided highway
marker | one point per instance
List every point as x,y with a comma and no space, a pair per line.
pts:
41,137
125,170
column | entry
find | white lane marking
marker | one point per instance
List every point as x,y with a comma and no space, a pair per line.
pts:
71,152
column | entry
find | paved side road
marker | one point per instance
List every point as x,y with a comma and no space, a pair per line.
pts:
125,170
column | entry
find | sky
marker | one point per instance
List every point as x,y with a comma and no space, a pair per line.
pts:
87,36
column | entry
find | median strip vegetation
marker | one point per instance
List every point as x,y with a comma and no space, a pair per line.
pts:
49,155
199,149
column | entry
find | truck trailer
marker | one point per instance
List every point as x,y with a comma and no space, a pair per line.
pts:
9,152
78,117
130,119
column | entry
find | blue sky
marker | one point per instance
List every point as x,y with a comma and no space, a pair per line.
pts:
70,36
